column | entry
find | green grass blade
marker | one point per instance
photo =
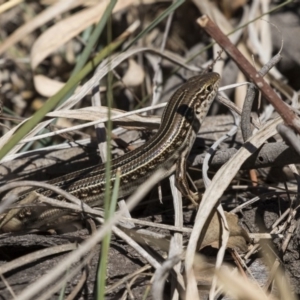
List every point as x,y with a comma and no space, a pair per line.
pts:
101,275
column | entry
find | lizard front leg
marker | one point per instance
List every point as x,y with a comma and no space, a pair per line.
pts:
182,183
14,218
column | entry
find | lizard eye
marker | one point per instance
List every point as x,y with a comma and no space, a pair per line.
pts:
209,88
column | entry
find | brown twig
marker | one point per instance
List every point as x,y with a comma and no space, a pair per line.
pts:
214,31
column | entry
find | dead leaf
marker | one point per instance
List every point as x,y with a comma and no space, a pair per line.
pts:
48,87
238,236
134,75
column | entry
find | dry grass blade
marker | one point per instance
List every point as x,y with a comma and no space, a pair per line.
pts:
161,275
239,288
8,5
98,113
117,116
